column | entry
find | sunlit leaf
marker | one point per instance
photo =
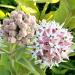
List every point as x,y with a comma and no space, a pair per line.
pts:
2,14
7,6
29,7
49,16
62,13
28,10
54,1
65,13
73,46
42,1
28,4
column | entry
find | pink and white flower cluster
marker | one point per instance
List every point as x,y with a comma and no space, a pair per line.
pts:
52,44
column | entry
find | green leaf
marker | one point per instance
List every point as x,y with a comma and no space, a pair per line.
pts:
73,46
62,13
72,54
71,23
42,1
5,61
29,7
65,13
2,14
27,10
24,62
68,65
49,16
71,20
21,69
71,4
4,71
59,71
41,71
4,46
54,1
7,6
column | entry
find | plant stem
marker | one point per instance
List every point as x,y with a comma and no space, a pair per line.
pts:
44,10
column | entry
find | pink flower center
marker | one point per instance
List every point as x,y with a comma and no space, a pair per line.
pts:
46,43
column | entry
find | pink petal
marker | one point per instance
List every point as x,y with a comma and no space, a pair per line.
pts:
45,39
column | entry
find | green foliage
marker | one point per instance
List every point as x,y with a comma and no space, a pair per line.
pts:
2,14
42,1
15,60
65,13
7,6
28,7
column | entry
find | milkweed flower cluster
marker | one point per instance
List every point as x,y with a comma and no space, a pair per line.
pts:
52,44
19,27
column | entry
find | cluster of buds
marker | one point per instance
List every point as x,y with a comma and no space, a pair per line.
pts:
52,44
19,27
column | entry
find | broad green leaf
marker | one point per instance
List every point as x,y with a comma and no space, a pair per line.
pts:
28,10
29,7
62,12
70,23
65,13
2,14
70,20
4,71
27,3
71,4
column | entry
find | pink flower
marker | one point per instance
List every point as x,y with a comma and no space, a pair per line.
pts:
52,44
